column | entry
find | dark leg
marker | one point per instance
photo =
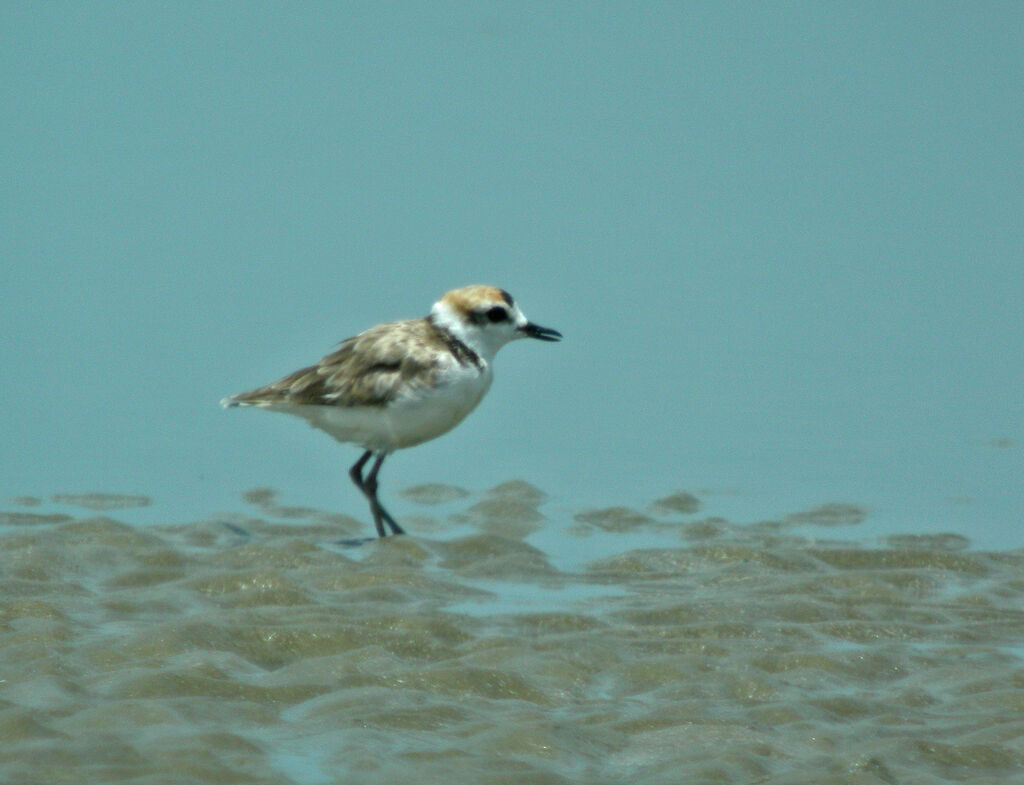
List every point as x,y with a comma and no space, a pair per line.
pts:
371,489
368,486
356,473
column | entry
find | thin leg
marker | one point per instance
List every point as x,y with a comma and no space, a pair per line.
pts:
356,473
371,487
368,486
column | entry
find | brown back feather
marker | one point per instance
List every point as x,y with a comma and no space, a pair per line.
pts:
365,370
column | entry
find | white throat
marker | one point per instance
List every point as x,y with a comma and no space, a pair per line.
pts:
482,341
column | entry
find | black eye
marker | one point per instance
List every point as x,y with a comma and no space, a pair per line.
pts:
497,314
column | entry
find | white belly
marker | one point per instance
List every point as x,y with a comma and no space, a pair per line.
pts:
406,421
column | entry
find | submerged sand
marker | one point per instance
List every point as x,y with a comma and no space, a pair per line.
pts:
282,647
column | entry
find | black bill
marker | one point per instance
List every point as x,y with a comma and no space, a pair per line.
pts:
541,333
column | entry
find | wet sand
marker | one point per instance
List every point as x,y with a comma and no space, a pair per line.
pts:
283,647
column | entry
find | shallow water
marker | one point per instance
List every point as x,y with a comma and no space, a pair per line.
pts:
491,645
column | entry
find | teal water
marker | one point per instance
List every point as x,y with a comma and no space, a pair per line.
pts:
265,647
783,245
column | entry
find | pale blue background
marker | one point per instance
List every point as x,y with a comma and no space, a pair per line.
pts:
783,241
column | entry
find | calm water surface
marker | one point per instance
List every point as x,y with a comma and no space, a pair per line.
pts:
280,646
784,246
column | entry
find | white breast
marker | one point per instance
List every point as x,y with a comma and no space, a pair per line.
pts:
414,416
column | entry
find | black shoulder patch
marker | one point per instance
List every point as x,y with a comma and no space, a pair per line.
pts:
462,353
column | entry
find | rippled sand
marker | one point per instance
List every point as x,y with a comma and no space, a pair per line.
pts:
281,648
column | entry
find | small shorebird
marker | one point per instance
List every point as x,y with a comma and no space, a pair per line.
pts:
402,383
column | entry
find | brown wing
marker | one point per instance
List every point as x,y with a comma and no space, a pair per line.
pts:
365,370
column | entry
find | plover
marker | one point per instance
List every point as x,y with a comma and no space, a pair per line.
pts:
402,383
